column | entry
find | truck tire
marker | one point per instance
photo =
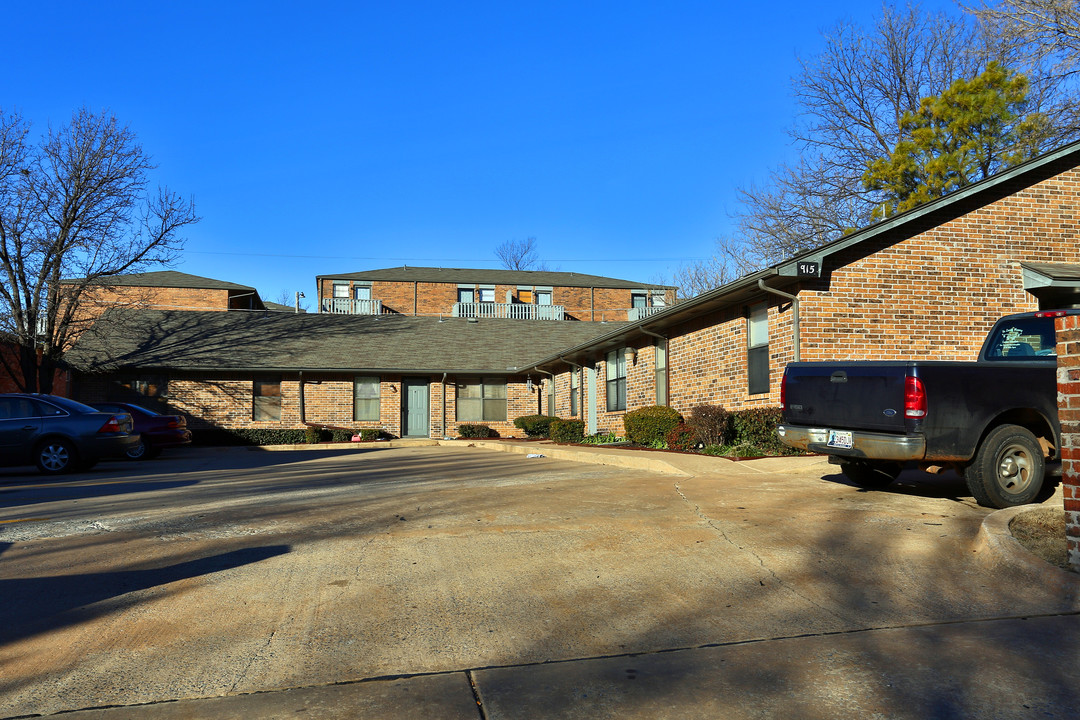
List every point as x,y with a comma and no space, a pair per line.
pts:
1008,468
870,474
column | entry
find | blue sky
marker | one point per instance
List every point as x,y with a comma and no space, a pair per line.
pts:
334,137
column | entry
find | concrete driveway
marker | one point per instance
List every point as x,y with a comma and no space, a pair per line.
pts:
460,582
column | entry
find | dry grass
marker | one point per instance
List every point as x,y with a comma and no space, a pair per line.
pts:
1042,531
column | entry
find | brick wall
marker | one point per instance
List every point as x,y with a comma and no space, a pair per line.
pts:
1068,353
225,401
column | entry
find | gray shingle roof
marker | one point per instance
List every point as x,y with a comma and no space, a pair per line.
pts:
167,279
494,277
251,341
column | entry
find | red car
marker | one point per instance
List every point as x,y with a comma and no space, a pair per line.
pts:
156,431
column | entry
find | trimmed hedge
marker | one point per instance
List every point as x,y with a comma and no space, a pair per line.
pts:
535,425
650,425
476,431
567,431
757,427
248,436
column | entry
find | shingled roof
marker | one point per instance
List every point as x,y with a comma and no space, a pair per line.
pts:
166,279
541,278
257,341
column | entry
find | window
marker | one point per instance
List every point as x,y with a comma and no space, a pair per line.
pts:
575,392
17,408
362,292
266,400
661,372
481,400
659,299
341,290
487,294
637,299
757,353
543,297
1024,339
525,295
616,380
365,398
466,295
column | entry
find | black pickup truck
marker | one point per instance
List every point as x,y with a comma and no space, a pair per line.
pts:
994,420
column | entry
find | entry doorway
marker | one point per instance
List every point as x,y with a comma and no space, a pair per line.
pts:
415,410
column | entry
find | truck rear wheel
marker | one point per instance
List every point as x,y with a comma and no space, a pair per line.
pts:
1008,468
870,474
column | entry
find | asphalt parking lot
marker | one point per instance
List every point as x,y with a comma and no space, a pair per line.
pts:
459,582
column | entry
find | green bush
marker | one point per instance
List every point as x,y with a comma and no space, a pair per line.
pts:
476,431
535,425
650,425
682,437
710,422
600,439
314,435
756,427
372,434
713,450
248,436
567,431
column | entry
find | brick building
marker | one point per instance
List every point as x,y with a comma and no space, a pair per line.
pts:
510,294
928,283
408,376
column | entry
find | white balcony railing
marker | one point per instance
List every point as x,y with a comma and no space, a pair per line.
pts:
349,306
640,313
510,311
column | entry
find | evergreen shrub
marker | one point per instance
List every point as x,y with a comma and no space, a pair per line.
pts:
650,425
567,431
476,431
535,425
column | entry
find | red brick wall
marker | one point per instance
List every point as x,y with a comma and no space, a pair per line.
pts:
1068,353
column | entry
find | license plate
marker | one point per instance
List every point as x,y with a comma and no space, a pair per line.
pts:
840,439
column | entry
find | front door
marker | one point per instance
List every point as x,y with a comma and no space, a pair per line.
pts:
415,417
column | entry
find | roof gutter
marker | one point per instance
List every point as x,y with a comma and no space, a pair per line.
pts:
794,308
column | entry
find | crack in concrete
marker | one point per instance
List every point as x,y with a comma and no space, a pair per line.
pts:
761,562
251,661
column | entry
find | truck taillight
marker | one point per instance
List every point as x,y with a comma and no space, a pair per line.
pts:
914,397
783,391
111,425
1051,313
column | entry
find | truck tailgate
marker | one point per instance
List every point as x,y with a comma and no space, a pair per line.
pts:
862,395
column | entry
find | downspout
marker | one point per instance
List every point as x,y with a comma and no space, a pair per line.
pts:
795,309
444,404
414,294
667,368
303,417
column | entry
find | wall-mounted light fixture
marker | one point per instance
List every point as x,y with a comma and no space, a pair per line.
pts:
631,355
529,383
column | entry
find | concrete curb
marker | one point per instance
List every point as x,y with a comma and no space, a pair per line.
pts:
996,546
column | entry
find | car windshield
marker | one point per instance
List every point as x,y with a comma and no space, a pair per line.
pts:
1029,338
69,405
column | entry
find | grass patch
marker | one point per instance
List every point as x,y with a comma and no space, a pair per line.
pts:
1042,532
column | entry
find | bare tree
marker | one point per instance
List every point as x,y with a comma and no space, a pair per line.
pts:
1044,31
291,299
852,96
519,255
75,207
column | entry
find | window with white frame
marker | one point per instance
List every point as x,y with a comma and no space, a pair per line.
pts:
481,400
575,392
616,380
362,292
366,393
661,372
543,297
487,294
757,349
659,298
341,289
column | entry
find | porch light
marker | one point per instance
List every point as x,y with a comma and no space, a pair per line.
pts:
528,383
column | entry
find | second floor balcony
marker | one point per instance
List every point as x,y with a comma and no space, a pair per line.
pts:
509,311
350,306
640,313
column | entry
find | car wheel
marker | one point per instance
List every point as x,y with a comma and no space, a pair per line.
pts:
140,451
1008,468
56,456
872,475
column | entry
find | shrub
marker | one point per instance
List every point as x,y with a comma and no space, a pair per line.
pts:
710,423
712,450
682,437
248,436
476,431
567,431
600,438
756,427
314,435
650,425
371,434
535,425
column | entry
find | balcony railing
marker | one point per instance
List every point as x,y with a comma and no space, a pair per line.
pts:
349,306
640,313
510,311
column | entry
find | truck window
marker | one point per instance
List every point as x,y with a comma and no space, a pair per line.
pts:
1023,339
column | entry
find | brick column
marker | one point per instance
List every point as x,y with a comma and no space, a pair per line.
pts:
1068,352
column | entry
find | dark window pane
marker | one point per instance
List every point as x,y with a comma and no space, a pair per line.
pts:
757,370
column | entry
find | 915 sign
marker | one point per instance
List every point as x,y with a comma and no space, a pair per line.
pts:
809,269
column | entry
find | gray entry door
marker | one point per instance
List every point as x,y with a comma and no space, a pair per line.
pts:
415,420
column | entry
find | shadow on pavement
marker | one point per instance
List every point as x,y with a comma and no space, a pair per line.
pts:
14,497
37,605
